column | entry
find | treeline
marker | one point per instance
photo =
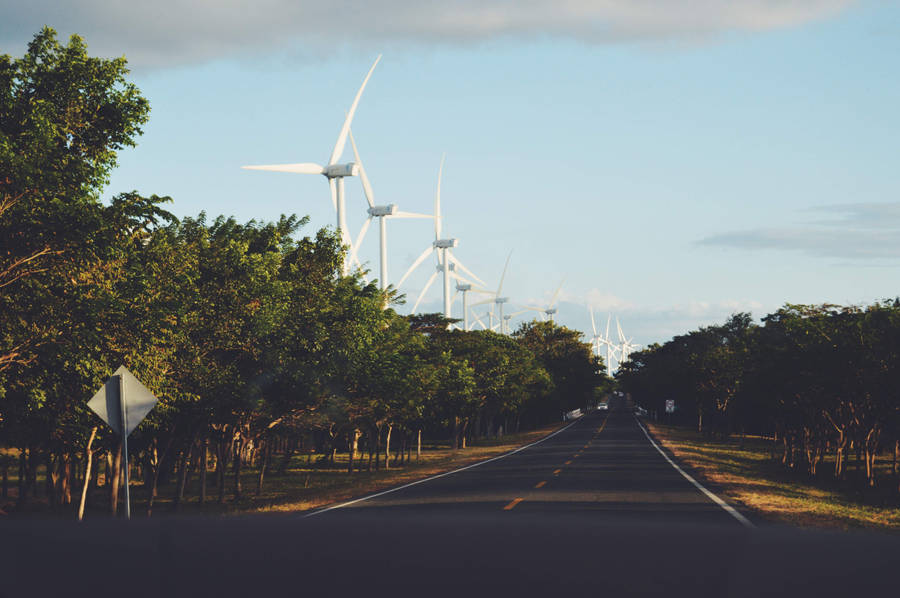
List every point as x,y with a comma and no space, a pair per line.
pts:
822,381
247,333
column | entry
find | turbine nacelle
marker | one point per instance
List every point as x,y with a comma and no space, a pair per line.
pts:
462,287
501,300
550,312
445,243
388,210
336,171
440,268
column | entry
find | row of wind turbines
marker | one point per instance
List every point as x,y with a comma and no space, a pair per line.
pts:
447,265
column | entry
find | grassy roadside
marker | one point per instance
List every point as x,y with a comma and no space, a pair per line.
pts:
308,482
750,478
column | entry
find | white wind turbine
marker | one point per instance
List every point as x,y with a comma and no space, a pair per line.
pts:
546,312
441,249
465,288
333,171
380,212
596,339
626,347
497,300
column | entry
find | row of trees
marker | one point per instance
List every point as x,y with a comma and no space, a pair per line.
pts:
820,380
247,333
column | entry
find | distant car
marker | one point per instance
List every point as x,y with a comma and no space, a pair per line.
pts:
603,407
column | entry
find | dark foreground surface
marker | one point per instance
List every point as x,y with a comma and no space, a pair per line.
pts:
612,517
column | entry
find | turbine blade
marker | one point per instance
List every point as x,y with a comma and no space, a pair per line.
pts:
415,264
424,290
407,214
345,129
302,168
459,265
485,302
361,236
555,295
593,325
367,187
332,183
502,276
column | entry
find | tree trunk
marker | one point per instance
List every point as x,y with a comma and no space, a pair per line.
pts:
286,459
88,456
182,478
204,450
454,439
387,446
238,461
4,485
262,467
419,444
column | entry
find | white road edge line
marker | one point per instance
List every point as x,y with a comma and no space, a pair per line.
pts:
728,508
440,475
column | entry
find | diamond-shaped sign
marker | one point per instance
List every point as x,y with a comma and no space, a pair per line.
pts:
138,401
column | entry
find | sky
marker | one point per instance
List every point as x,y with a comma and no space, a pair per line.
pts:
670,161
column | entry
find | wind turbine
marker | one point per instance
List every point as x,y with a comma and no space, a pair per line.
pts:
333,171
441,249
548,310
497,300
380,212
596,339
626,347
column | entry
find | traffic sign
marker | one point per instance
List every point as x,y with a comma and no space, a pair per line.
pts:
138,401
123,403
670,406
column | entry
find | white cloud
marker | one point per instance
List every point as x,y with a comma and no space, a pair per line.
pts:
170,32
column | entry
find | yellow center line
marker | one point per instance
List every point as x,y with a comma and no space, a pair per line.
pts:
513,504
541,484
557,472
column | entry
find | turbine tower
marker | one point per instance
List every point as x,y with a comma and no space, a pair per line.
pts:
333,171
497,300
441,249
380,212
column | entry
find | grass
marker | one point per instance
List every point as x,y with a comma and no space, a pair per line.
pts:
749,477
309,482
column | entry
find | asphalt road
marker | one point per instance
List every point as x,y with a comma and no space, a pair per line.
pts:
593,510
602,467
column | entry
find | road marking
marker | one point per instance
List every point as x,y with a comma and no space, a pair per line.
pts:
513,504
727,507
541,484
557,472
440,475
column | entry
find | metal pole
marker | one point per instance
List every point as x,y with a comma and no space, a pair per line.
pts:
465,312
124,445
382,225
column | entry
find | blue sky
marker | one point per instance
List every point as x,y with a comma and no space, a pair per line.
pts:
673,163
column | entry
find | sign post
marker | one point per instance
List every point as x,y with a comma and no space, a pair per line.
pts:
123,403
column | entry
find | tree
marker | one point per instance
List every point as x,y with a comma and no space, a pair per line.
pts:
63,117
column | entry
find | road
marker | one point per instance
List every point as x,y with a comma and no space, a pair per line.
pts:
602,467
593,510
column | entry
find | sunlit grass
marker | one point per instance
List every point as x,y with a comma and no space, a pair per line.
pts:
751,478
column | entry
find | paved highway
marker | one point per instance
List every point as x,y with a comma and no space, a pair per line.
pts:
592,510
601,467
